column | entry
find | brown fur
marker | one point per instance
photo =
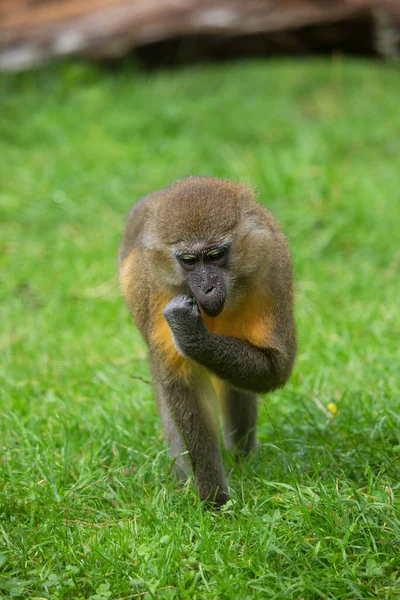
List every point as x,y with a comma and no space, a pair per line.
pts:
259,307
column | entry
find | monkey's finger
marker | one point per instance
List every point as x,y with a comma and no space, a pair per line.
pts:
180,301
196,309
184,298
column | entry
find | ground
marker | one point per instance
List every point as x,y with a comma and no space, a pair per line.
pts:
89,507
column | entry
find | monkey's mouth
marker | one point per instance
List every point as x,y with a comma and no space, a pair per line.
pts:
209,289
212,308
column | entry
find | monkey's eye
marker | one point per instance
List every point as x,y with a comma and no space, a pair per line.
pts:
188,259
215,254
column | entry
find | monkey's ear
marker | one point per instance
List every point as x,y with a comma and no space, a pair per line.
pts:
255,223
256,217
150,240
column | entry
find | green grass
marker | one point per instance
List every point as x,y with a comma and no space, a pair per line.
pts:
89,507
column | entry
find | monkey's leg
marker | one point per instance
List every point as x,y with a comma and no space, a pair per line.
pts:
239,409
189,428
172,436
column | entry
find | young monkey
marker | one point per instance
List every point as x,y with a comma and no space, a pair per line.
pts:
207,275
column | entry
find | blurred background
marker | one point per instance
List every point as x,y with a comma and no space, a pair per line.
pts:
102,102
171,31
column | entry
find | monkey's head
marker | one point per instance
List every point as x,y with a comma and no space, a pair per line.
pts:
199,236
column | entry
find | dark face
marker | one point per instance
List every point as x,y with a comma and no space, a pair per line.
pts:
206,271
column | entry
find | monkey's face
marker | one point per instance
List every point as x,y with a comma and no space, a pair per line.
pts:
206,270
205,238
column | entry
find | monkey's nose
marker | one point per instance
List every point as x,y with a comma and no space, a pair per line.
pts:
209,290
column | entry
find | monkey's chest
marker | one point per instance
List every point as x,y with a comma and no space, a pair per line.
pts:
252,323
244,324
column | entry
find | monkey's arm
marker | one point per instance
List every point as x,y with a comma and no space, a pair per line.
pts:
240,363
235,360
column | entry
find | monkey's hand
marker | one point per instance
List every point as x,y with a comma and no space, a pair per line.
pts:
184,318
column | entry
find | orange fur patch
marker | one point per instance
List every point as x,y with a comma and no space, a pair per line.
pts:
126,272
252,321
161,336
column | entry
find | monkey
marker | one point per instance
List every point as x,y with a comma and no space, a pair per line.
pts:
207,275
